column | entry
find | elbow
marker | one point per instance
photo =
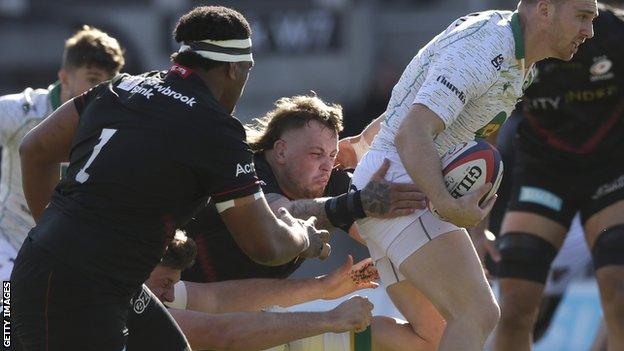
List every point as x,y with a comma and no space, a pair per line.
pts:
268,254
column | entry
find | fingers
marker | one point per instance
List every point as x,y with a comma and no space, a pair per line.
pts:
325,251
311,221
285,216
487,207
406,188
483,190
410,195
381,172
324,235
413,204
364,274
363,263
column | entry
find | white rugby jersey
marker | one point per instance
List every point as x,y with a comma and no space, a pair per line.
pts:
19,113
471,75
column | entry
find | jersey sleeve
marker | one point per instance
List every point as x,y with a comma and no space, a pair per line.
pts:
463,71
223,161
13,112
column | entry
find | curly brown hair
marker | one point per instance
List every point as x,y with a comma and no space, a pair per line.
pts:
292,113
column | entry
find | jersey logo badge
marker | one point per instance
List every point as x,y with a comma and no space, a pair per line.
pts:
244,169
491,127
141,302
181,70
601,68
497,62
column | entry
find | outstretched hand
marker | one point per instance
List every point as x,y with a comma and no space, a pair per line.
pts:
349,278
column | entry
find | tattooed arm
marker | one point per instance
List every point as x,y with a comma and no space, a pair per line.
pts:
380,199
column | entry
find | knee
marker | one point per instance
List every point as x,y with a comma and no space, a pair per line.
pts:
482,314
491,315
518,313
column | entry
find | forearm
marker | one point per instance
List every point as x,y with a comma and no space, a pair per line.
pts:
248,330
38,182
251,294
420,158
306,208
263,237
330,212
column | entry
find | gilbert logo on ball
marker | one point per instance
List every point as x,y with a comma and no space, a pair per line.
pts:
468,166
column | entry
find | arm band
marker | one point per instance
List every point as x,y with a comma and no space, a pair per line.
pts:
344,209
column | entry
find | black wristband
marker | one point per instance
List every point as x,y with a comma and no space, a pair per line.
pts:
344,209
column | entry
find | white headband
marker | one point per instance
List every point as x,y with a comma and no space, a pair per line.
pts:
235,50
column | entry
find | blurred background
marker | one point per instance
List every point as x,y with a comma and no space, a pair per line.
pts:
350,52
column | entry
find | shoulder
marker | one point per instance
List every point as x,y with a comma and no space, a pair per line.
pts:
478,38
265,174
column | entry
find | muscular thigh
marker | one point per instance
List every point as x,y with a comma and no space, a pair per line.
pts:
448,272
544,190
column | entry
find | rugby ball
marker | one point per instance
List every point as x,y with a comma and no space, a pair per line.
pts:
468,166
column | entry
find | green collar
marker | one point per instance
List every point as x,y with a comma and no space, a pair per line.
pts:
517,34
55,95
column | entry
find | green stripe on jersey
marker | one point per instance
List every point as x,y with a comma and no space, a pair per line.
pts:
363,341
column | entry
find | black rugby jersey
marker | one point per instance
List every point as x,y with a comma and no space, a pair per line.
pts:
219,257
574,110
147,152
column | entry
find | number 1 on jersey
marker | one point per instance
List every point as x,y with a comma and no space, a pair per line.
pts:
82,175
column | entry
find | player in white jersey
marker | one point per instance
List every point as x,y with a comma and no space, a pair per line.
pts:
90,57
460,86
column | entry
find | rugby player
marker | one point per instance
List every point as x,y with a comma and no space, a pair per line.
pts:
460,86
145,151
569,152
227,315
90,57
295,145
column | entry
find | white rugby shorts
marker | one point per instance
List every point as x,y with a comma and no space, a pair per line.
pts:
392,241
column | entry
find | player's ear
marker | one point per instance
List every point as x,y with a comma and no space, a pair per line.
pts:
545,9
279,148
63,77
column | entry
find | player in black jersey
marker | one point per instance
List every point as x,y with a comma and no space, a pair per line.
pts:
145,151
569,159
295,144
204,310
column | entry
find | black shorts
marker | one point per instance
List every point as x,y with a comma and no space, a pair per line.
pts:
558,192
151,326
55,307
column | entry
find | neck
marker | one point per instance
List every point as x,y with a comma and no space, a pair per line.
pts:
65,95
215,83
280,176
534,48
